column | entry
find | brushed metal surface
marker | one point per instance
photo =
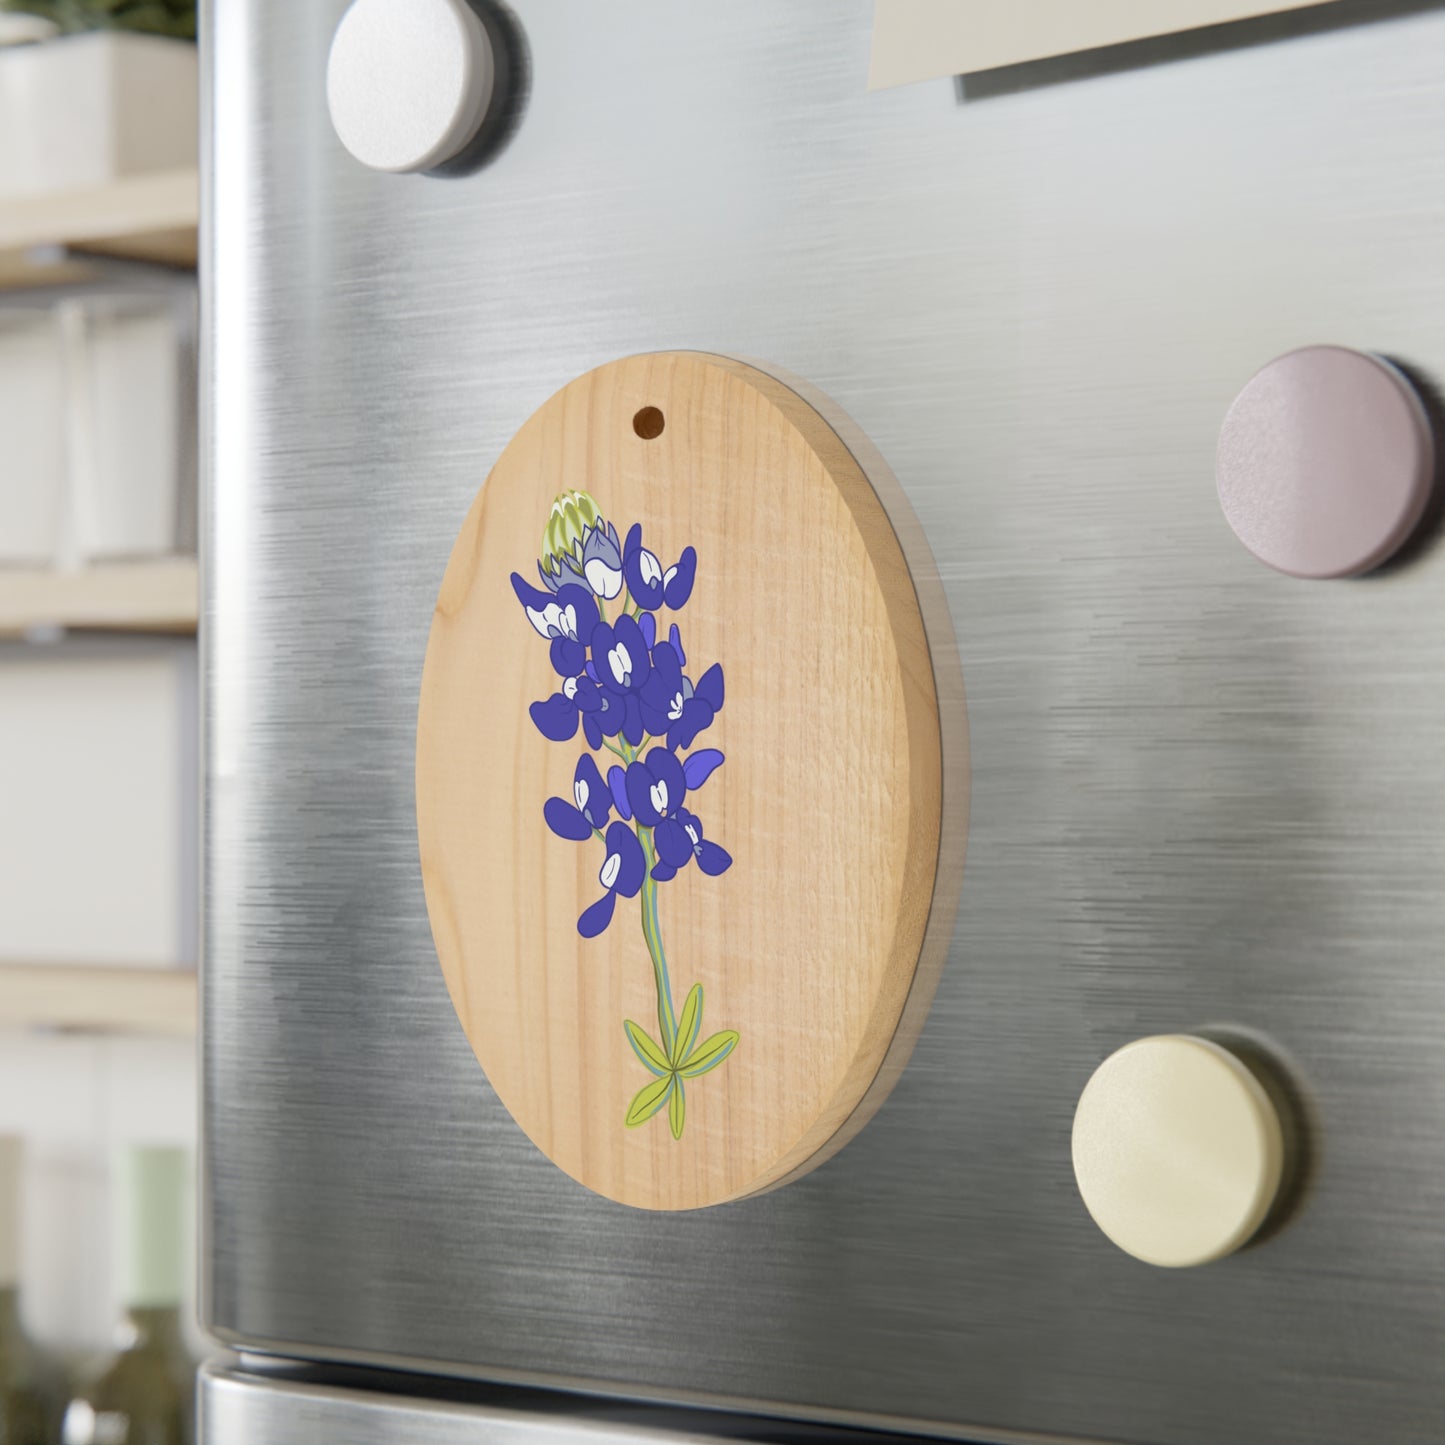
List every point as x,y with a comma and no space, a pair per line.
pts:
1204,795
241,1403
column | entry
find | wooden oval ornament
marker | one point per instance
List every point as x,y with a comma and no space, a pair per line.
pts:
755,876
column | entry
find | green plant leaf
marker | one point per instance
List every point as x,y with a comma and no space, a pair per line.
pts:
648,1100
677,1111
688,1023
709,1053
650,1053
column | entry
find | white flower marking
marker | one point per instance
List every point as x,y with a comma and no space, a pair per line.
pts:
610,869
569,688
620,661
605,581
674,708
650,567
692,833
581,792
554,621
658,794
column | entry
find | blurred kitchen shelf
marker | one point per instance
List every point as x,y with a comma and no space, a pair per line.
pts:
157,596
44,240
98,999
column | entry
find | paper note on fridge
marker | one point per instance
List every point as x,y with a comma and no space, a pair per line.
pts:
925,39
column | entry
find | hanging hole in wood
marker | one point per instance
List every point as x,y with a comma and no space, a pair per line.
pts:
648,423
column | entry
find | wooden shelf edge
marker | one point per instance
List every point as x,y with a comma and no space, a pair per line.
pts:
159,596
98,999
132,206
151,217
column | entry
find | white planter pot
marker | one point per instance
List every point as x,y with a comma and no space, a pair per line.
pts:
83,110
98,772
32,436
130,428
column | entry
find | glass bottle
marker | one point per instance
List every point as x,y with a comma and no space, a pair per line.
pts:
28,1395
146,1394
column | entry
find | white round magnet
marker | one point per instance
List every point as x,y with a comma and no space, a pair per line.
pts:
1178,1150
409,82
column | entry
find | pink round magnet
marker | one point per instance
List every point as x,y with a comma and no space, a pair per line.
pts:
1325,462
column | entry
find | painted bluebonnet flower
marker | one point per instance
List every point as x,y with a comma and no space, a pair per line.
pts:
621,664
670,703
678,852
656,787
696,770
620,658
579,547
566,619
569,613
620,682
602,562
591,806
622,872
556,718
648,583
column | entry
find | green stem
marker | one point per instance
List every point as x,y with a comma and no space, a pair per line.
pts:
652,927
652,932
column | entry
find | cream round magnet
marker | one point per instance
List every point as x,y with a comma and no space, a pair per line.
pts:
680,782
1178,1150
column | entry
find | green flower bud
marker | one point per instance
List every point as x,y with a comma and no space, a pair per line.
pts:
574,515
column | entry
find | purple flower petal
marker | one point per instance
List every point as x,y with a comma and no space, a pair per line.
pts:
654,722
601,643
642,570
668,783
590,793
610,714
579,611
698,768
528,595
663,873
677,583
710,687
556,718
628,637
673,845
632,863
696,717
617,784
633,728
565,821
712,859
647,625
639,794
568,657
674,639
597,917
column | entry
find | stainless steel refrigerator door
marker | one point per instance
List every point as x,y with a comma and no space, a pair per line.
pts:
237,1405
1203,794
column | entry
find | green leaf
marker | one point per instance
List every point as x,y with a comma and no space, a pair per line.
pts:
648,1100
676,1111
710,1053
650,1053
688,1023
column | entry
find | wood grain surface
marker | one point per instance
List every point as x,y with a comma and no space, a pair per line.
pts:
829,802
